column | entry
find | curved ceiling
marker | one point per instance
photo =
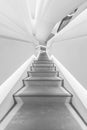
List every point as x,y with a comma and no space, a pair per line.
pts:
77,28
33,20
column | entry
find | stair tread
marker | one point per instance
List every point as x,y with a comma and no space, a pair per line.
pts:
42,71
38,115
43,78
46,65
41,61
43,66
46,91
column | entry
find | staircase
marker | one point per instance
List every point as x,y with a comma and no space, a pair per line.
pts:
45,101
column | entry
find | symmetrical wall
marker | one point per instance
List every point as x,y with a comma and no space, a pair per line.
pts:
12,55
73,55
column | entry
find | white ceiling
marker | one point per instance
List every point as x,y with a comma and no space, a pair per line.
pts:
33,20
77,28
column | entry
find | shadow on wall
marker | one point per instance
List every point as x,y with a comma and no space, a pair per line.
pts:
12,55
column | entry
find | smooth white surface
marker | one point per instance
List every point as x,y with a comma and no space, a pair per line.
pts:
53,12
6,87
76,28
13,54
78,119
80,91
72,54
33,20
9,117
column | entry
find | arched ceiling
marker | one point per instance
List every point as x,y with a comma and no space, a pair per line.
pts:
33,20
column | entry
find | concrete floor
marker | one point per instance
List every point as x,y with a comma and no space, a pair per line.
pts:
43,116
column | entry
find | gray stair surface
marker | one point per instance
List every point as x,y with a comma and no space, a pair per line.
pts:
45,68
45,100
43,74
43,114
43,81
43,62
31,91
42,65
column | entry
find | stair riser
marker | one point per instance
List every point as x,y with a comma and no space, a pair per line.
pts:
43,55
45,69
43,58
43,65
43,74
43,62
42,83
43,100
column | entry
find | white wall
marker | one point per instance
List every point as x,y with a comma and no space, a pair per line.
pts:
12,55
73,55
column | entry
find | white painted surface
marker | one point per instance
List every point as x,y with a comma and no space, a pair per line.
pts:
76,28
77,118
79,99
10,86
11,114
6,87
33,19
13,54
73,55
76,86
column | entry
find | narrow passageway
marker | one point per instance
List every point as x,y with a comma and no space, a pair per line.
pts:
44,100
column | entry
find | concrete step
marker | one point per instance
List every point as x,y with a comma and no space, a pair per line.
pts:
46,94
44,99
43,65
43,57
43,62
43,114
43,54
46,68
43,74
43,92
43,81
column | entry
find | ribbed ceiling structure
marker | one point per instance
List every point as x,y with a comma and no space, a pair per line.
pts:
32,21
